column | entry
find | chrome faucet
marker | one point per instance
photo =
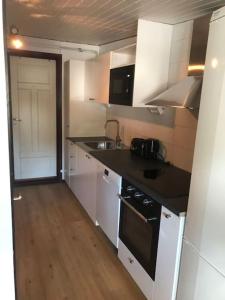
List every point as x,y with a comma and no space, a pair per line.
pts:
118,139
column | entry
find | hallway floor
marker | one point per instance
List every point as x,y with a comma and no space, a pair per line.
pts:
60,254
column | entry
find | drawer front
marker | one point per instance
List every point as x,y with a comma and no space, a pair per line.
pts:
137,272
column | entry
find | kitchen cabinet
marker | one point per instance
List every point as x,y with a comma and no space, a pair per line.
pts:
97,73
168,256
137,272
70,161
91,80
82,118
103,73
152,60
108,203
198,279
84,182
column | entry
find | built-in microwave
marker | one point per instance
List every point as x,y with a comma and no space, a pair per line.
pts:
121,85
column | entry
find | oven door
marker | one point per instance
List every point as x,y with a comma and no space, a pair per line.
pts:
140,236
121,85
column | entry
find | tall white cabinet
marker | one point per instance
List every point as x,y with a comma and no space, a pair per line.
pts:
82,117
202,273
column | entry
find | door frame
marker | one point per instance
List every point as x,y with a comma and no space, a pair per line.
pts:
58,61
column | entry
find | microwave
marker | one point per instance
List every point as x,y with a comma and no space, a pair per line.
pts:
121,85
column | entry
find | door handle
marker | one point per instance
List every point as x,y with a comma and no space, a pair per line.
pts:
18,197
17,120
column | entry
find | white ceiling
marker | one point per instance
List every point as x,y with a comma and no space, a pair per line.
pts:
98,22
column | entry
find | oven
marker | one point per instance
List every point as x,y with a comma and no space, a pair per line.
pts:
139,226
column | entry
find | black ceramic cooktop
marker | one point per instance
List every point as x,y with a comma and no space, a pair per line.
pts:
163,182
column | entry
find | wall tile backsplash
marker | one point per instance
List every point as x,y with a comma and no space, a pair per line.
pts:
179,139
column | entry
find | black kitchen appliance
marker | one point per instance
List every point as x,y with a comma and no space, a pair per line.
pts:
146,148
121,85
139,225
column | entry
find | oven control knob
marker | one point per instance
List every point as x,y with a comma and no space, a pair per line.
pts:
147,201
138,194
130,188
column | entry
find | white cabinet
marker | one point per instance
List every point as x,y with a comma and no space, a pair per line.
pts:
74,73
108,203
152,60
205,216
91,80
168,257
198,280
82,118
103,73
84,182
70,161
97,73
139,275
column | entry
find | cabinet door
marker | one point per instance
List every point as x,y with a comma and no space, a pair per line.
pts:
91,79
103,75
84,182
66,167
152,61
205,217
108,203
89,186
198,279
168,257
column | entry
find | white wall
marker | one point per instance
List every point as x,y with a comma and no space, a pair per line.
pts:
7,290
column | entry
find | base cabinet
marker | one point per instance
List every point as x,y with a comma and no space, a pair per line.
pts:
70,162
140,276
168,256
84,182
168,260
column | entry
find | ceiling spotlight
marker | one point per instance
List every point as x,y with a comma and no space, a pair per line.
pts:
16,43
14,38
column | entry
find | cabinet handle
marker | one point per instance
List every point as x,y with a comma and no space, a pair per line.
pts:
92,99
131,261
167,216
71,169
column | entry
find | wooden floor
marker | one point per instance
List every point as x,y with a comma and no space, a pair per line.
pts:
60,254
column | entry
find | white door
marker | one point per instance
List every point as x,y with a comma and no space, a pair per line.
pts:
33,92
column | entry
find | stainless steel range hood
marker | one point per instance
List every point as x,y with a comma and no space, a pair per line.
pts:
186,93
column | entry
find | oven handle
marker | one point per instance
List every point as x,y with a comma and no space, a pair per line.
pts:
137,212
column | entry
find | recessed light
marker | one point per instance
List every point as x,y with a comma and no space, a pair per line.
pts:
40,16
16,43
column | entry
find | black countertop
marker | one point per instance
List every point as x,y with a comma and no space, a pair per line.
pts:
88,139
163,182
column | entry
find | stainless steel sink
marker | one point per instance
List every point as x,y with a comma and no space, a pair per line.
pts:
103,145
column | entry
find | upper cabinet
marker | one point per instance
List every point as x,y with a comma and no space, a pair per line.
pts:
103,74
151,57
152,60
82,118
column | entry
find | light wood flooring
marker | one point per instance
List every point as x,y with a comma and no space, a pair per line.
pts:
60,254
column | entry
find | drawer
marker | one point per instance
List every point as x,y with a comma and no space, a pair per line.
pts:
140,276
72,149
